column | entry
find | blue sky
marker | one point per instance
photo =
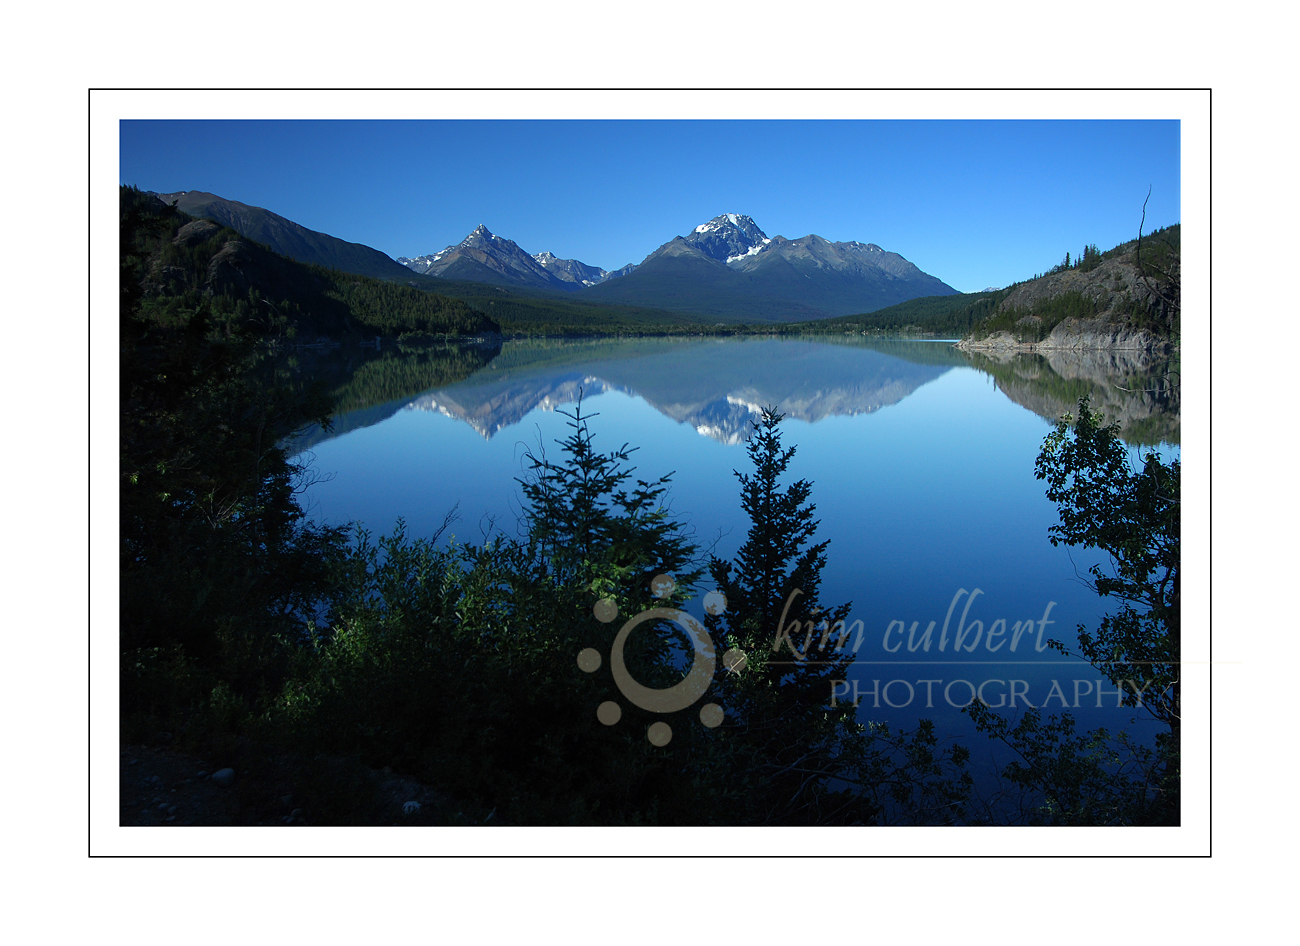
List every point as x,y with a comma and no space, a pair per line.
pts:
975,203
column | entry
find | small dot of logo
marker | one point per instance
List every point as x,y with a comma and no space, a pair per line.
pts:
589,660
609,712
711,715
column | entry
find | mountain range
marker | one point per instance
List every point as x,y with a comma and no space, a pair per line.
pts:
485,257
726,268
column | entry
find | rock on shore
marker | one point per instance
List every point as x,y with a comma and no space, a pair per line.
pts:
1100,333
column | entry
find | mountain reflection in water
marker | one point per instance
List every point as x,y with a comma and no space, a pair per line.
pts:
718,385
714,386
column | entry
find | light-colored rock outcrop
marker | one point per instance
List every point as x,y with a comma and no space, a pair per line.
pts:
1100,333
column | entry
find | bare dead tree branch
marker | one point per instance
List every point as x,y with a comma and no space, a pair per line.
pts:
1171,299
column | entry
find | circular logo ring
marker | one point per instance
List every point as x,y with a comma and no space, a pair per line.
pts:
675,697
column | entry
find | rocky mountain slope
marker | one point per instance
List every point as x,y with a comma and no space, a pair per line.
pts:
1118,300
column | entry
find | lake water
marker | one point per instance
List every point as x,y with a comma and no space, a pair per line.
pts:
921,457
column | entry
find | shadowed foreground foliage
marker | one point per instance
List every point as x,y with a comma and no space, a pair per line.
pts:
457,664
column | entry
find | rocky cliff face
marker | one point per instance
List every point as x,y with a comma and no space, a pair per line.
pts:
728,238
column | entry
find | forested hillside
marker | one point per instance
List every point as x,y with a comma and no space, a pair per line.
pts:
180,264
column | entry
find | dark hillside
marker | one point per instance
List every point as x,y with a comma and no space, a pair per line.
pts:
287,238
248,289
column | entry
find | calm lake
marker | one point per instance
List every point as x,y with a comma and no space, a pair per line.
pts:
922,460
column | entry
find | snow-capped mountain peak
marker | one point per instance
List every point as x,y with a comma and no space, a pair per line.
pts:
729,237
742,222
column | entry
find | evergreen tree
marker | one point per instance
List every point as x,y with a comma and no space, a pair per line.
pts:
587,526
773,611
807,758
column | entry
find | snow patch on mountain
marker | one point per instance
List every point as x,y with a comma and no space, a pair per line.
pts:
749,252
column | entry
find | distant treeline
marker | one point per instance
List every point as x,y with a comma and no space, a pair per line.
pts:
541,315
939,315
